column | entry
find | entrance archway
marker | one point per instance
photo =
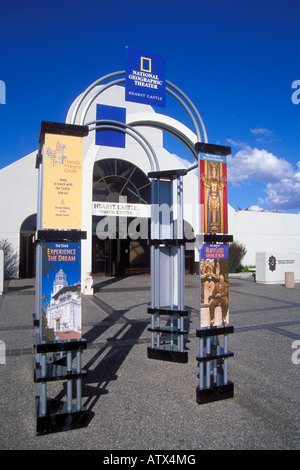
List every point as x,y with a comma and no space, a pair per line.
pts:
79,113
116,180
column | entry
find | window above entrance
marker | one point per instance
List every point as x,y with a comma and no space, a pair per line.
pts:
114,178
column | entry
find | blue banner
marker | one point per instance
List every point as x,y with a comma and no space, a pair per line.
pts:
213,158
145,78
214,252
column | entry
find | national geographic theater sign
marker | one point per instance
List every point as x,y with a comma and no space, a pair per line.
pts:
145,78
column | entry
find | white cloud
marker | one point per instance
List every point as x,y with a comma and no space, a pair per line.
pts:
238,143
284,195
256,209
264,135
282,181
184,163
261,131
257,164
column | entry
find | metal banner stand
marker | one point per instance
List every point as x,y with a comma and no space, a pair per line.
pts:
213,358
53,359
167,269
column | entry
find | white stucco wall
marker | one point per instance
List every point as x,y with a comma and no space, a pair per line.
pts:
264,232
18,196
259,231
272,267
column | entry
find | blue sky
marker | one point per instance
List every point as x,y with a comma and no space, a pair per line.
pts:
236,60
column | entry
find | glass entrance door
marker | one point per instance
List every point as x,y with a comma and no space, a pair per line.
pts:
110,257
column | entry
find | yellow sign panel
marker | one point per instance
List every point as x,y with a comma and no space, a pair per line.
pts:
62,182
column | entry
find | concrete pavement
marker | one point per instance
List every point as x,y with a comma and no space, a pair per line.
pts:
143,404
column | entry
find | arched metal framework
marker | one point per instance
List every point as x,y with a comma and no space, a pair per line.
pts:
172,89
104,125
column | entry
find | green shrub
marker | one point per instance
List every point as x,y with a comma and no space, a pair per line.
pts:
247,269
237,252
11,260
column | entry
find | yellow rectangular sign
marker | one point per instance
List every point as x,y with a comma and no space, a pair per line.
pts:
62,182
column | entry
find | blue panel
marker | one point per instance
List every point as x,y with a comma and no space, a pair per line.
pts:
214,252
213,158
145,78
110,138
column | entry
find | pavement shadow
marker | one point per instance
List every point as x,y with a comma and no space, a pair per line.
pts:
103,367
101,282
110,354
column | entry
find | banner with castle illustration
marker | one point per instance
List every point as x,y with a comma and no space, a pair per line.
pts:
214,285
61,291
62,182
213,193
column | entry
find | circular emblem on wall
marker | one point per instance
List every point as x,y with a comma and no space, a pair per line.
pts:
272,263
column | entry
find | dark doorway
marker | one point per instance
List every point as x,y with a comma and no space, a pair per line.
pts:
120,257
115,180
189,262
110,256
27,247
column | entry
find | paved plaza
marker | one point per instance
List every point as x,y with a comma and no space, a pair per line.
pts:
138,403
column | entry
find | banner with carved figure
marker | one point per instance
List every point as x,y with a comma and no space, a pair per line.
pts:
213,194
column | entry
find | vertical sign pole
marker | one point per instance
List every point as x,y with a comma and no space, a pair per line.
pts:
41,359
38,276
43,387
167,267
172,286
200,244
225,360
58,228
69,382
213,275
180,236
78,382
153,260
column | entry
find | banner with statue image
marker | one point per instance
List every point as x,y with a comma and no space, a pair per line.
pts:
213,193
214,285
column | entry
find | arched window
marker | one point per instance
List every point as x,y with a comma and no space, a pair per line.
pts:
113,178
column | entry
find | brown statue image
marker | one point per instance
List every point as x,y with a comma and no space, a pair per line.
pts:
214,292
213,183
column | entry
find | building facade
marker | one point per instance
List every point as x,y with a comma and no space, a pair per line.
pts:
116,191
